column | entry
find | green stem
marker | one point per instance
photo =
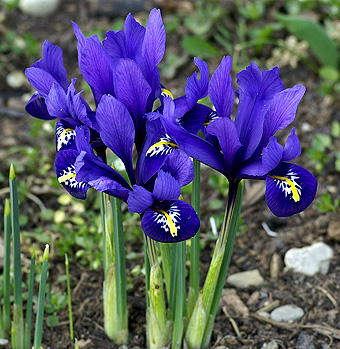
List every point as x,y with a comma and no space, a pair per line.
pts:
166,252
7,265
147,270
28,324
177,335
195,248
41,301
102,216
118,237
18,320
69,296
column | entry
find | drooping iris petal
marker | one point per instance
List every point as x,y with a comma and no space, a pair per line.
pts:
225,131
256,89
251,168
66,173
36,106
221,90
65,136
197,89
193,145
97,68
290,189
170,221
180,166
139,199
272,155
193,120
52,63
166,187
292,147
117,130
281,112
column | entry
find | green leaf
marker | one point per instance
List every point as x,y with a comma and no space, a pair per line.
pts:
198,47
320,43
52,320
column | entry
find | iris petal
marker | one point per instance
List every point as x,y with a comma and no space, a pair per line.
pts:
170,221
221,90
292,147
166,187
66,173
36,106
65,136
290,189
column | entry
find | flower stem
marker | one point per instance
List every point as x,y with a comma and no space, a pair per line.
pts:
194,281
28,324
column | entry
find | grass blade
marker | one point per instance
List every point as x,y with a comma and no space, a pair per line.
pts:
28,324
18,320
69,296
41,301
7,265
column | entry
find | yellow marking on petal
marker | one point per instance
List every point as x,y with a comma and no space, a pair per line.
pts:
167,93
64,178
296,196
206,123
171,224
173,145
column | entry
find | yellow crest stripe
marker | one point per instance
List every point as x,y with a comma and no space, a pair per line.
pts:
170,144
64,178
171,224
296,196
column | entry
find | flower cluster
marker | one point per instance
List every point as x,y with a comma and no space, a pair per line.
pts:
125,81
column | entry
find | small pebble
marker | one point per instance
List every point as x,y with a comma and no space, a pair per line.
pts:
333,230
245,279
16,79
270,345
309,260
287,313
39,8
305,341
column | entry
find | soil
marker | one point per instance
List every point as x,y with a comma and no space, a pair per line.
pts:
318,296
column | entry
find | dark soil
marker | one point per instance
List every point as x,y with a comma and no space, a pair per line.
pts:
318,296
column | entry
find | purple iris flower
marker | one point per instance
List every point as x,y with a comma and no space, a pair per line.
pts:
246,146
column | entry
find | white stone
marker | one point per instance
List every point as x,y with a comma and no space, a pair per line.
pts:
39,8
270,345
287,313
245,279
309,260
16,79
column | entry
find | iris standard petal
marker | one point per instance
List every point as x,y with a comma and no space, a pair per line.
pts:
166,187
281,112
134,34
197,89
97,68
225,131
36,107
117,130
139,199
52,63
56,102
256,89
66,173
40,80
133,90
170,221
272,154
115,46
221,90
193,120
154,40
292,147
290,189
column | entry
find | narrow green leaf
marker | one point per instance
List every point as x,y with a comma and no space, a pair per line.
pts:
28,324
320,43
69,296
7,265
